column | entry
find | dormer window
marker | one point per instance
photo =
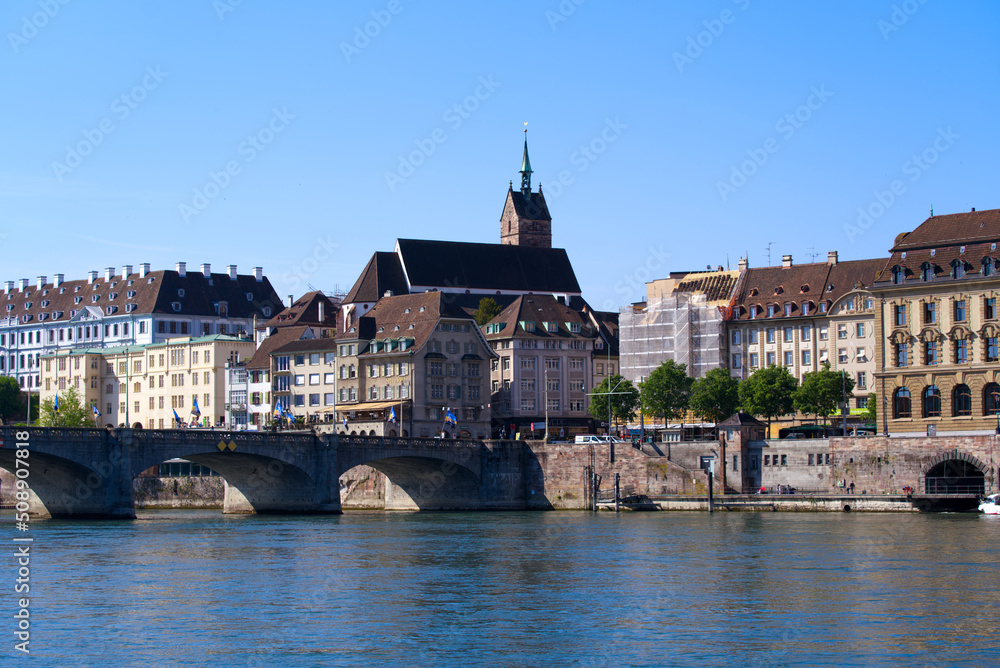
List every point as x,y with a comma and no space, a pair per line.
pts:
266,311
753,311
45,292
95,298
423,308
112,296
27,305
770,310
551,327
76,289
898,275
396,328
129,308
180,292
788,310
926,271
778,290
149,281
381,329
957,269
130,294
176,306
406,310
805,308
45,303
754,292
529,326
111,309
989,265
77,300
130,281
249,296
62,290
822,307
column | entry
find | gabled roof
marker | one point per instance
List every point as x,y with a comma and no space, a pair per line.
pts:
305,311
452,266
741,419
306,346
531,208
262,356
539,309
409,316
383,272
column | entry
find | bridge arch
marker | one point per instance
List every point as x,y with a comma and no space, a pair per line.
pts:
955,473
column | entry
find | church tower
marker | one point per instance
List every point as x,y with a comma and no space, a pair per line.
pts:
526,220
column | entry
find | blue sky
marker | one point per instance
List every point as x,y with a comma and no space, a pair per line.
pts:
666,135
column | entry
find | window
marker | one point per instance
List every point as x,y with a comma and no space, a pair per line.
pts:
823,333
754,360
752,336
314,379
859,329
753,311
990,308
991,399
931,353
737,337
784,460
862,381
961,401
900,314
961,351
960,310
957,269
553,363
842,355
328,399
527,384
991,349
789,358
862,355
987,266
788,310
805,333
902,354
527,362
737,361
770,310
842,331
926,271
806,357
901,403
473,391
931,401
527,404
787,335
553,404
930,313
770,335
898,275
771,359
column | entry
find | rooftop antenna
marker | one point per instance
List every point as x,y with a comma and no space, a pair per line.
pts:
727,261
813,254
768,249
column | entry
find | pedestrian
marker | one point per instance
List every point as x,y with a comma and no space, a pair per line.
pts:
852,487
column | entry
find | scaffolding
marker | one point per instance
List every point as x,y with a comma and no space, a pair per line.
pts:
680,326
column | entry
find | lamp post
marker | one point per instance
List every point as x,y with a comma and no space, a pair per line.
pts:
611,444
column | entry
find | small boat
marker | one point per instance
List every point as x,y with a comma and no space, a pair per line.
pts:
990,505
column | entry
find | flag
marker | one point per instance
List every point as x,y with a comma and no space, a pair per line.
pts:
55,404
278,410
392,414
345,421
97,413
194,408
176,416
449,418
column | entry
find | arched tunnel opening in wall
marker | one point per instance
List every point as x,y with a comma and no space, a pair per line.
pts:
955,476
61,488
411,483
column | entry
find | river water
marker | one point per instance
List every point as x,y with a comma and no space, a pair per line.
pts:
193,588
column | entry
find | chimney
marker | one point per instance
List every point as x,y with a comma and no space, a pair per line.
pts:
206,270
742,264
42,280
831,258
258,273
8,287
291,300
58,280
786,261
126,270
231,270
182,269
109,273
91,276
22,284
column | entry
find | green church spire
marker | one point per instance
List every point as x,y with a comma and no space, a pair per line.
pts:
526,168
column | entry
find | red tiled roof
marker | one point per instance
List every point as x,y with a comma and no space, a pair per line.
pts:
953,229
262,356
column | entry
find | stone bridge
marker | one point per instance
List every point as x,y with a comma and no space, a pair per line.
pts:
84,473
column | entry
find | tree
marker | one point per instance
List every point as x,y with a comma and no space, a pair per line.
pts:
624,401
822,391
71,412
768,393
716,396
871,410
11,402
488,309
667,391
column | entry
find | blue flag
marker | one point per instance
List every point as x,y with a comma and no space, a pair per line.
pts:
55,404
194,409
176,416
392,414
345,420
97,413
450,418
278,410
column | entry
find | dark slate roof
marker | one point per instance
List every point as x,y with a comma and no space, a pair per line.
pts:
531,208
156,292
305,311
953,229
814,282
453,266
741,419
306,346
383,272
262,356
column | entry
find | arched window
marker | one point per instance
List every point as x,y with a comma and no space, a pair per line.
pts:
926,271
957,269
991,399
897,275
961,401
901,403
988,266
931,401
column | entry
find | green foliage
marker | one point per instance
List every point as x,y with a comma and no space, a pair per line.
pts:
871,408
71,412
488,309
716,396
623,405
822,391
667,391
768,393
11,402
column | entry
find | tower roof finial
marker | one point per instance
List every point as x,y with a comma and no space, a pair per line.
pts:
525,167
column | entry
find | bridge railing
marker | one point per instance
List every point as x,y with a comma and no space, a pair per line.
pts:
407,442
198,437
52,435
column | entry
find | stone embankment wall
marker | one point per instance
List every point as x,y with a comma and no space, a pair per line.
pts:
187,492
